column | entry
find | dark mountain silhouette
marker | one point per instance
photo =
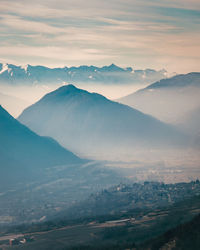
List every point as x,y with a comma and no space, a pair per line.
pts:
21,150
39,175
89,123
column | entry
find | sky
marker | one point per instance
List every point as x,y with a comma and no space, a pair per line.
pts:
138,33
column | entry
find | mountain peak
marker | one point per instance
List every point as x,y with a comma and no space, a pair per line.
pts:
112,67
70,87
65,89
71,91
62,92
4,67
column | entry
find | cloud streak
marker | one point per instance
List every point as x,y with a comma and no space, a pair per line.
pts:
128,32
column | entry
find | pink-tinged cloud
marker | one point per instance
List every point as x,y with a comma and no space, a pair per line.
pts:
138,33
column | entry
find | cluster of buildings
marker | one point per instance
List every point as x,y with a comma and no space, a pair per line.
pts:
21,240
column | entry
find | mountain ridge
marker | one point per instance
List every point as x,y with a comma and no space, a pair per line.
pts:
112,74
179,93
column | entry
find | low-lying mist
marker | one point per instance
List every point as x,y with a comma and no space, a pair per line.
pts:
111,91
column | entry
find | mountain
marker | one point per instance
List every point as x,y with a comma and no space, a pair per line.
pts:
90,124
178,81
112,74
169,99
38,177
13,104
21,150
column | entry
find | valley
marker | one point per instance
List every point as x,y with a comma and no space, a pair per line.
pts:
126,229
99,125
80,171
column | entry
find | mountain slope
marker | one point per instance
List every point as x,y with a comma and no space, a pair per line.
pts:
168,100
22,147
89,124
191,121
38,175
178,81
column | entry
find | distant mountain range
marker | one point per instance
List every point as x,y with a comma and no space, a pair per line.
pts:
90,124
170,100
112,74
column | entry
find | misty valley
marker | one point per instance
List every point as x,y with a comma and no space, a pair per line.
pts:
82,167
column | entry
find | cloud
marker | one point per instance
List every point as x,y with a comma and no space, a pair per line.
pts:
129,32
21,24
54,53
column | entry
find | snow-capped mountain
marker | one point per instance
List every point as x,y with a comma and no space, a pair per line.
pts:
112,74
